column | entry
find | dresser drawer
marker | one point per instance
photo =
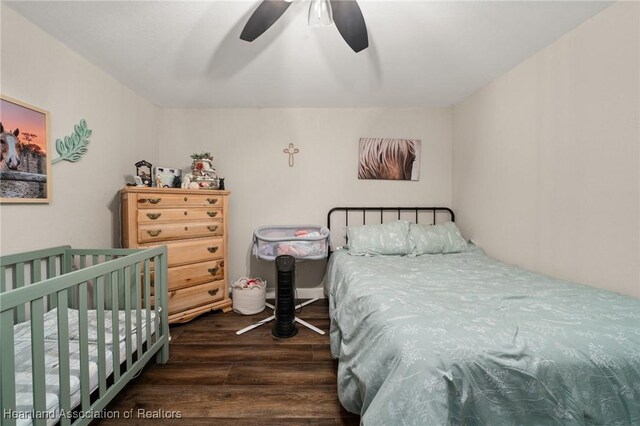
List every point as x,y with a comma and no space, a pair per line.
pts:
189,314
196,273
151,232
155,215
146,201
190,297
192,251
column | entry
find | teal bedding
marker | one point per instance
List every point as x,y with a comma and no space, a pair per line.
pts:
462,339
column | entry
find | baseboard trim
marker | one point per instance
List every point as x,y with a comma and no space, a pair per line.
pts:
303,293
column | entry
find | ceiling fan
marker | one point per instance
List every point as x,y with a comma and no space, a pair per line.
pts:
346,14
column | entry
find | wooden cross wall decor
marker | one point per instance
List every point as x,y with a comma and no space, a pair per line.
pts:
291,150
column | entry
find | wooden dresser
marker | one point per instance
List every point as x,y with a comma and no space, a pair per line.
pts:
193,225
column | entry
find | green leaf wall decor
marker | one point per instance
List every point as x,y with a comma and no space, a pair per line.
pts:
74,146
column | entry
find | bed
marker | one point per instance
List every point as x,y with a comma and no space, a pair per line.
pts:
77,326
462,339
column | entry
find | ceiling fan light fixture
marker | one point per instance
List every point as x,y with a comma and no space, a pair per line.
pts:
320,13
345,14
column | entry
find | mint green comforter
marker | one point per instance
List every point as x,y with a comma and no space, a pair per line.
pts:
461,339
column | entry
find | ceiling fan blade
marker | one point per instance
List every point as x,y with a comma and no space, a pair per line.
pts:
263,18
350,23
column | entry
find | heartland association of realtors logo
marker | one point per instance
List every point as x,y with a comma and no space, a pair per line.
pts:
57,414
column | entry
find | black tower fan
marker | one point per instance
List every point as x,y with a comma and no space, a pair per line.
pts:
285,297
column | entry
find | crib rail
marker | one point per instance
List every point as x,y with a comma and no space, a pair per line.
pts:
111,281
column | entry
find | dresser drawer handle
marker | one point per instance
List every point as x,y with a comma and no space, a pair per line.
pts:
212,228
212,249
212,214
214,271
173,293
153,216
214,291
155,232
212,200
151,200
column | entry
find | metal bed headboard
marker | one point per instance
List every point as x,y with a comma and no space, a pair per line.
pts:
412,214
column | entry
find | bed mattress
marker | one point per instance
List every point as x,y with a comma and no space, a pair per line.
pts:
22,338
463,339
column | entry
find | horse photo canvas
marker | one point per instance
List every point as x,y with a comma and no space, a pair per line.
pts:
25,161
389,159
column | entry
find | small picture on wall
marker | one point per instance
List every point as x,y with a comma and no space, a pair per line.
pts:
389,159
25,164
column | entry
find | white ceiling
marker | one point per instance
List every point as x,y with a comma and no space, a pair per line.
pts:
421,53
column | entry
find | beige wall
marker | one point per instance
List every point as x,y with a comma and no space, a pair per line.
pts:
247,147
546,161
41,71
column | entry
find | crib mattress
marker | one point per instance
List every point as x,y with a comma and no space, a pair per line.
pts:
23,361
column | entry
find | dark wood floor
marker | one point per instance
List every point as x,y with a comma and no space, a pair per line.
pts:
215,377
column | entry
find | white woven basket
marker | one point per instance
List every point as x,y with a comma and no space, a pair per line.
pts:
249,300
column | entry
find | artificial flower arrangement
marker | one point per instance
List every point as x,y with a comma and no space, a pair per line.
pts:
202,175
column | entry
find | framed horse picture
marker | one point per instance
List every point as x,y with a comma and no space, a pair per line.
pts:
389,159
25,160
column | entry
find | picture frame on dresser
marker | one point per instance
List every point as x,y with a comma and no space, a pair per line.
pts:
192,223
